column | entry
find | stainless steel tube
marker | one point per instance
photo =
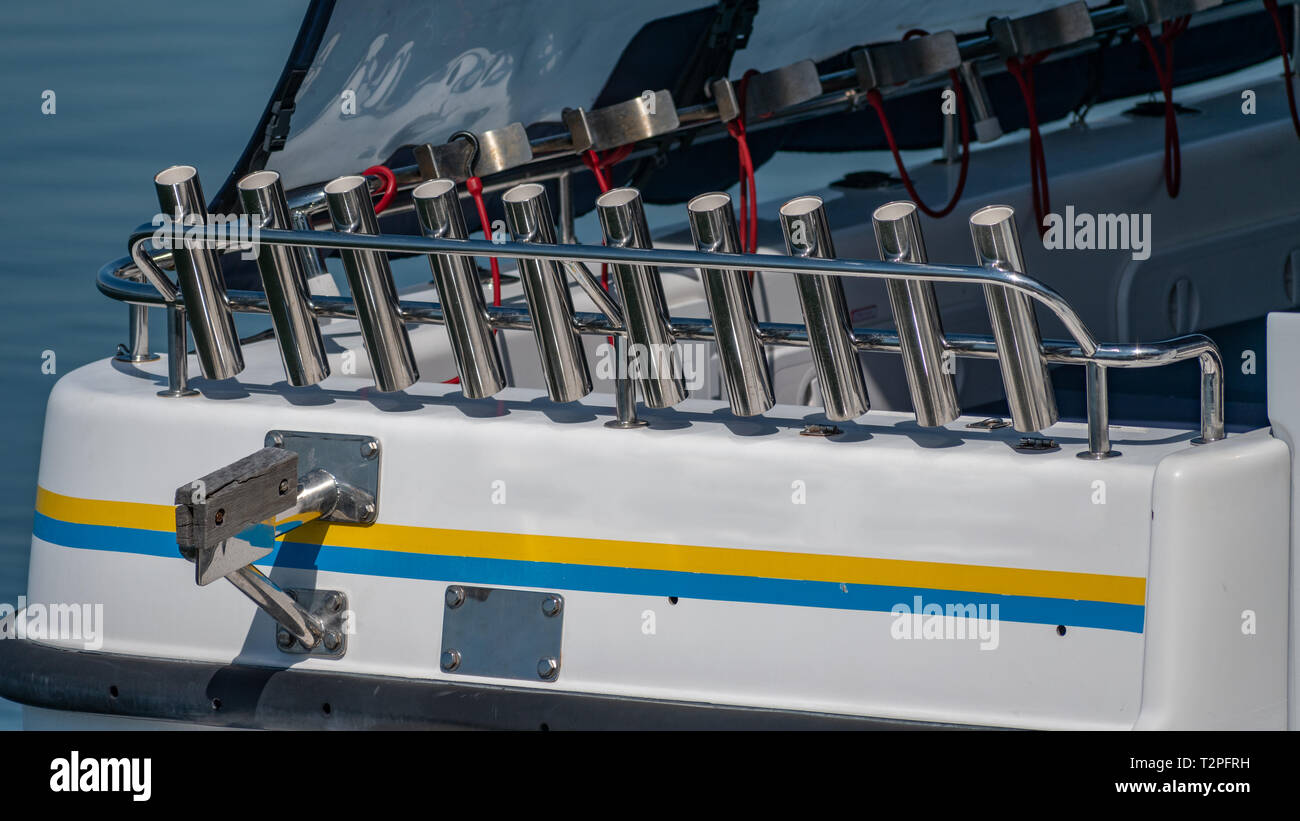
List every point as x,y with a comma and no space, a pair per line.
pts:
178,360
1020,355
564,364
655,362
373,291
916,316
285,282
731,304
267,595
478,361
198,272
1098,415
826,315
136,349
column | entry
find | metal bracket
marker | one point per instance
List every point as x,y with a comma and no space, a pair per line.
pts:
723,94
641,118
781,88
1150,12
499,149
500,633
1043,31
230,518
892,63
330,608
353,460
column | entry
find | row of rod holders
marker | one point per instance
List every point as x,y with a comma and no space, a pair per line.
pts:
637,311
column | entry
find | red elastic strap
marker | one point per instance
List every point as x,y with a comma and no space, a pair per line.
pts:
1023,72
1271,5
878,103
748,187
474,186
390,185
1173,167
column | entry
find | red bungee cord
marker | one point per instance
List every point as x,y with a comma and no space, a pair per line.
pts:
878,103
1271,5
748,188
390,185
1165,74
1023,72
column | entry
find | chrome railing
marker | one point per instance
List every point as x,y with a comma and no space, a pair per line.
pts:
141,281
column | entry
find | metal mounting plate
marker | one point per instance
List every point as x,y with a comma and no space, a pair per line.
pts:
647,116
892,63
1042,31
781,88
502,633
331,607
352,459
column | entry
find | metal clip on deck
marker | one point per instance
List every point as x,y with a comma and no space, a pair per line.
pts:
1150,12
892,63
1042,31
498,149
230,518
641,118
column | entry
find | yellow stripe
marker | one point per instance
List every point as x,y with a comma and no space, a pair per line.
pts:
1008,581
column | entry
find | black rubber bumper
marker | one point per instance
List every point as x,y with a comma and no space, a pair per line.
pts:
278,698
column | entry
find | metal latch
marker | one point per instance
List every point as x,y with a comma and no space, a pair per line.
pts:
232,517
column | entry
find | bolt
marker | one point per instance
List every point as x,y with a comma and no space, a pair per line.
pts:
548,668
276,439
334,602
284,486
450,659
284,638
367,512
332,640
370,449
221,516
551,605
455,596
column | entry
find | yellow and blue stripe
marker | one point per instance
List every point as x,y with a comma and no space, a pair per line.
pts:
631,568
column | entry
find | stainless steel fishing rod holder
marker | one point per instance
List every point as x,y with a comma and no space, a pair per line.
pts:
1012,296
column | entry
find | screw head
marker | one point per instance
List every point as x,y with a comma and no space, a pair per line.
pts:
455,596
332,640
450,659
367,512
552,605
220,517
284,639
284,486
370,448
548,668
275,440
334,602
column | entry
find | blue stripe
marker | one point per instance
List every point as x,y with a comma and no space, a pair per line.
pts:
619,580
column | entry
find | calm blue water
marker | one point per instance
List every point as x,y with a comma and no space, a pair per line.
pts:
132,97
